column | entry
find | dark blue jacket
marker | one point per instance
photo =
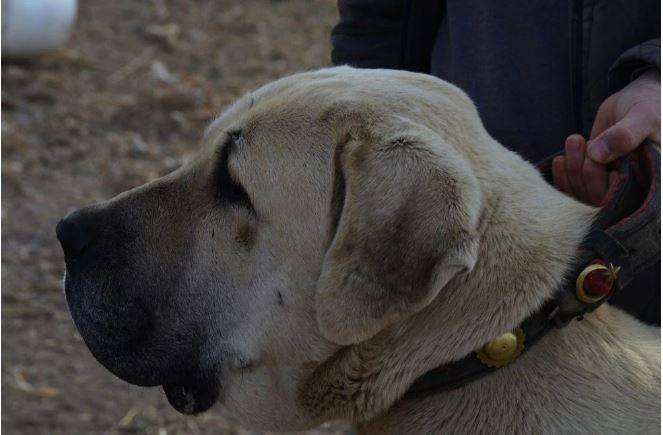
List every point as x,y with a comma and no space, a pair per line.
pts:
610,42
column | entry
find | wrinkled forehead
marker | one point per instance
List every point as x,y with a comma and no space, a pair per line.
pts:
299,103
308,90
279,109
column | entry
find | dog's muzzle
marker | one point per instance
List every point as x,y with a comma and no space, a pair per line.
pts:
123,314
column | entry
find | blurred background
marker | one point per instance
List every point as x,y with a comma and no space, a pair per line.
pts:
123,101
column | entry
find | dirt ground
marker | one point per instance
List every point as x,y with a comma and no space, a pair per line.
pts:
124,102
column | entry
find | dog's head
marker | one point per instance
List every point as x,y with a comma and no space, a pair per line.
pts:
322,210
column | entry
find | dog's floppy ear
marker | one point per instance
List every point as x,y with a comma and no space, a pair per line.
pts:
406,208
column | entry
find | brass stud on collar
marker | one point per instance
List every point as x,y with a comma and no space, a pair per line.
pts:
503,349
609,276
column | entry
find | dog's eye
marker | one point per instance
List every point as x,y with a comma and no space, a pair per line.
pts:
229,191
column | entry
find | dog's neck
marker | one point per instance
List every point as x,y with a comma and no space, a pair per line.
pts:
596,375
602,373
529,234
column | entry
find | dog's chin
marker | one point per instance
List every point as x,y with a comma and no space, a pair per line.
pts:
192,399
125,338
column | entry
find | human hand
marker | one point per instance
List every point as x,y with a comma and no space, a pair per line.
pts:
623,121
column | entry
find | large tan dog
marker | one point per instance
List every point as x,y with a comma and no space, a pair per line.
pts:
340,233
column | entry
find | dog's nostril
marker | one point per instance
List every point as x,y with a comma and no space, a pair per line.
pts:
72,236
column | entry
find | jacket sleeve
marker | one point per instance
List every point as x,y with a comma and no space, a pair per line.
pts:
368,34
634,62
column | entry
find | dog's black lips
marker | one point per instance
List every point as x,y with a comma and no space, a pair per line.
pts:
192,399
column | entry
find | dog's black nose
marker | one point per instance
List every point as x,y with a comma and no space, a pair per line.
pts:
72,235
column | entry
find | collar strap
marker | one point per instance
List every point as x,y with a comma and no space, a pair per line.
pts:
623,241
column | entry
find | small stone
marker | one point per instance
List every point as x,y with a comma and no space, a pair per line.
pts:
167,34
160,72
138,145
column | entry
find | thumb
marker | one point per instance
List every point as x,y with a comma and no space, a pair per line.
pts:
621,138
603,118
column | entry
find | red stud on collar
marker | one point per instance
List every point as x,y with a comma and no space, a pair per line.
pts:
595,282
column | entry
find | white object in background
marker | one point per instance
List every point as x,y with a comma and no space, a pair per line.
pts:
35,26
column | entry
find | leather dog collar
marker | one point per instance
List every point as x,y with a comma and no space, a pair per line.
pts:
623,241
